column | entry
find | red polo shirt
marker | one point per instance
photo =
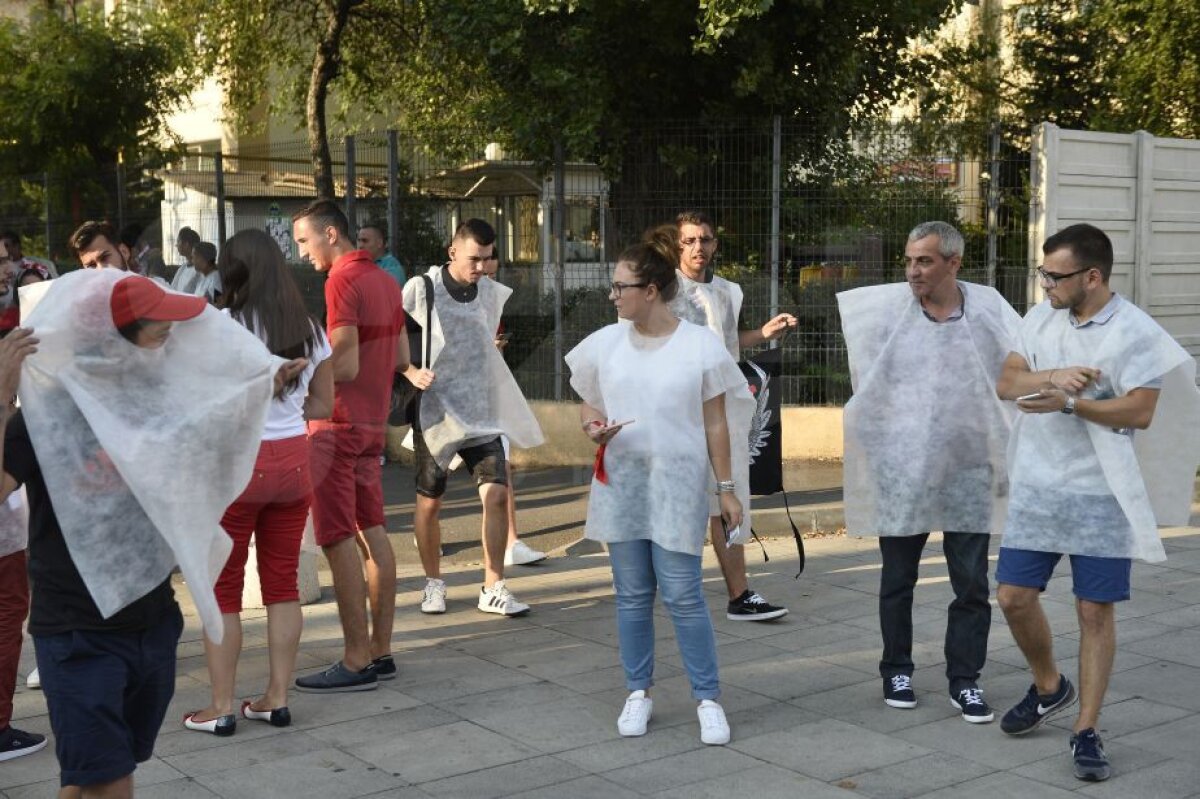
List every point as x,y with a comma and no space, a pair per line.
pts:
361,294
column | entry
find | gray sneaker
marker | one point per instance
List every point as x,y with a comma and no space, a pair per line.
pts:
338,679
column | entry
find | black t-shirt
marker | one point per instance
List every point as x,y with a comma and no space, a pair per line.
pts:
60,599
462,292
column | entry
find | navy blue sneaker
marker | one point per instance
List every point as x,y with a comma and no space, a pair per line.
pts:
384,667
974,709
1034,710
18,743
898,692
337,679
1091,764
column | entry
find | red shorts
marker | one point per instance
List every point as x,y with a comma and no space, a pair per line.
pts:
347,479
274,508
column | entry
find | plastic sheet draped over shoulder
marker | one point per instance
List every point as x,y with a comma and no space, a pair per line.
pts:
142,449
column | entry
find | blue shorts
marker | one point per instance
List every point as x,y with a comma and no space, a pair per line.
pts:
107,693
1094,579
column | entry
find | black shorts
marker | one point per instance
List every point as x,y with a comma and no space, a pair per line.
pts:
107,693
485,461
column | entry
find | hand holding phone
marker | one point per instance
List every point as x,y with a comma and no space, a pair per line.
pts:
1033,397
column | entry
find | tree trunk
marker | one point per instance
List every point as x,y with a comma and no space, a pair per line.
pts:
326,62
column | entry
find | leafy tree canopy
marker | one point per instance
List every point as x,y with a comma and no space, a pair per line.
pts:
84,89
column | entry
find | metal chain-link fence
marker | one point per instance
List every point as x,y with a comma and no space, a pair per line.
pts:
799,216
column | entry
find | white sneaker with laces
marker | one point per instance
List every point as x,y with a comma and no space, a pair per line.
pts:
636,715
714,728
435,596
521,554
499,600
34,680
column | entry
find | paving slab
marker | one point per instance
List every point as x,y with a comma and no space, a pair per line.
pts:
491,707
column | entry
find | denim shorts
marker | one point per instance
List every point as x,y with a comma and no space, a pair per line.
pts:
107,693
1094,579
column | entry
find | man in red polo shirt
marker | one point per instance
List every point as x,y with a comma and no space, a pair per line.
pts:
364,320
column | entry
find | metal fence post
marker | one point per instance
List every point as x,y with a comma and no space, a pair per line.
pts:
120,190
219,167
49,208
776,179
351,181
560,235
993,201
393,202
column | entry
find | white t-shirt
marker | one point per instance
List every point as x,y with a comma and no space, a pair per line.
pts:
286,416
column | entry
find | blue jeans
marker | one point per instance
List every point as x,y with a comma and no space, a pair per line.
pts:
640,568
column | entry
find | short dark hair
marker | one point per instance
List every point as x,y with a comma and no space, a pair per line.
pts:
188,235
653,260
88,232
375,224
694,217
325,213
131,234
1089,245
11,236
207,251
477,230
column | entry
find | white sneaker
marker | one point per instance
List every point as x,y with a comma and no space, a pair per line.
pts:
636,715
435,596
498,599
714,729
34,680
521,554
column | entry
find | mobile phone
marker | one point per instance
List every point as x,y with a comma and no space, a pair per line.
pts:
1031,397
617,426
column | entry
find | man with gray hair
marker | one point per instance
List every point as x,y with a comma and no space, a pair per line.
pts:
925,441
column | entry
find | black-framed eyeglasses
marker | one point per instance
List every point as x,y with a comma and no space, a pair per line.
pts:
617,288
1051,279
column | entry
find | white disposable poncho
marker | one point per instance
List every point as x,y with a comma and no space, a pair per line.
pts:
142,449
716,305
924,434
1085,489
658,468
474,396
14,523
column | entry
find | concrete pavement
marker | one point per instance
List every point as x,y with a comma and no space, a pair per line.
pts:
491,707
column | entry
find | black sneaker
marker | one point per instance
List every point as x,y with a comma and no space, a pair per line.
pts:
1091,763
384,667
338,679
18,743
974,709
898,692
750,606
1033,711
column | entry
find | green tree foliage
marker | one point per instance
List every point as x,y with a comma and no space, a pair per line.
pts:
82,90
286,57
586,72
1117,65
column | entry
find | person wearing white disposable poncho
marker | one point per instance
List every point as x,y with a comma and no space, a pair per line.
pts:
471,401
711,301
925,438
122,487
655,392
1091,477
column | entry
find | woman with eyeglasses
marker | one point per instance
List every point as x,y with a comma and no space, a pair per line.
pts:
654,393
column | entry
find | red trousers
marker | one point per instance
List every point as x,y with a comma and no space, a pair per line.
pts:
14,607
273,508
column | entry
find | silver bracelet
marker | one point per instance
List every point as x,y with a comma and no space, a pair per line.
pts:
726,486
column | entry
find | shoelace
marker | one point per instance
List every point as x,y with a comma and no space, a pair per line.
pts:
430,591
501,590
755,599
633,708
901,682
971,696
711,715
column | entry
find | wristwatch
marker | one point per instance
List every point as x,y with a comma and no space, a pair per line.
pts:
1069,408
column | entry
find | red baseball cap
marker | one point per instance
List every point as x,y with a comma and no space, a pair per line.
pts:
137,297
